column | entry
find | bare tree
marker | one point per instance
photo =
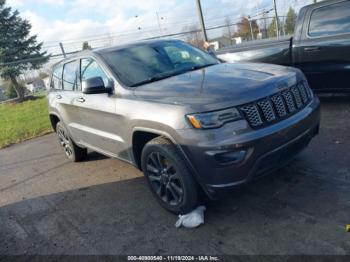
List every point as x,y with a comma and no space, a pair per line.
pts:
228,23
193,36
243,28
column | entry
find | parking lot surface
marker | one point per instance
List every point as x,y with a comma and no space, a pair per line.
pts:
103,206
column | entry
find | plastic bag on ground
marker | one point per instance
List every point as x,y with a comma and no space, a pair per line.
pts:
192,219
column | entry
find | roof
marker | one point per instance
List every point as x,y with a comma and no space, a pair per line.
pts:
321,3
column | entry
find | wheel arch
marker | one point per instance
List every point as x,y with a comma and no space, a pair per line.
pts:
140,137
54,119
152,133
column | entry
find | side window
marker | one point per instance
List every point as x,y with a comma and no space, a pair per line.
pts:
89,69
69,78
330,20
56,80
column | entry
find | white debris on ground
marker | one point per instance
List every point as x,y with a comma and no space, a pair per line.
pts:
192,219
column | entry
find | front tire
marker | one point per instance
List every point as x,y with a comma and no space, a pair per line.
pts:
170,180
71,150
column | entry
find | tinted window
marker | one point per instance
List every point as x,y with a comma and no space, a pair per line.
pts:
143,63
330,20
90,69
70,76
56,78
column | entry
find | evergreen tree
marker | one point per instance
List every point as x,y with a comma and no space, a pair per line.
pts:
18,50
271,30
290,21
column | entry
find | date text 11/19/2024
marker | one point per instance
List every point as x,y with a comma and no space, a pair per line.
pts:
173,258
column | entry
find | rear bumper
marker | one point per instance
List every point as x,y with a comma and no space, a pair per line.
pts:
236,154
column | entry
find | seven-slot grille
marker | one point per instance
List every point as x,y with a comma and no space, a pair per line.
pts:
274,108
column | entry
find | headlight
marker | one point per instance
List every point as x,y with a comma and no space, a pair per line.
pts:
213,119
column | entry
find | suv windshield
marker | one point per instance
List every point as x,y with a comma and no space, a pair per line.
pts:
145,63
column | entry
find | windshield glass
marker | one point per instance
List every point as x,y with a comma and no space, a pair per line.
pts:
144,63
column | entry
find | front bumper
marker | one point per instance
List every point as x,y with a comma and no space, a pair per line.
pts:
235,154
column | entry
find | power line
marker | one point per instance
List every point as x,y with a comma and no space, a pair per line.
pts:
111,37
131,32
186,22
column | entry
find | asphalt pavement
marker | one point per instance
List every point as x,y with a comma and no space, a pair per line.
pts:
49,205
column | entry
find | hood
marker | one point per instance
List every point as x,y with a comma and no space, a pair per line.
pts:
221,85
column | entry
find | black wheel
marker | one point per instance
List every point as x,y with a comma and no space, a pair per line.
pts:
72,151
169,178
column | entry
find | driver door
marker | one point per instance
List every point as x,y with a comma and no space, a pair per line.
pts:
99,123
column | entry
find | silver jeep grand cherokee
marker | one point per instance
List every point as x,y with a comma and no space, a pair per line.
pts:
189,122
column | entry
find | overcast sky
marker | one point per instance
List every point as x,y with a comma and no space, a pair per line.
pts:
101,21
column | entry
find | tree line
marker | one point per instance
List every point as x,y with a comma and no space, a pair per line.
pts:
247,28
20,51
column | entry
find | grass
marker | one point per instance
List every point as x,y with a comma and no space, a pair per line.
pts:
22,121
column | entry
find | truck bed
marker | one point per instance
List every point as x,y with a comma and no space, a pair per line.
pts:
273,50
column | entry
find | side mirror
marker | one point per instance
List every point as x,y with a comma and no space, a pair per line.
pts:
94,85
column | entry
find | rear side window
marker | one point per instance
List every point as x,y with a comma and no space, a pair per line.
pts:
70,76
56,81
90,69
330,20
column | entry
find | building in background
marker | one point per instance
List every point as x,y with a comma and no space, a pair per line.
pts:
238,40
36,86
46,82
221,42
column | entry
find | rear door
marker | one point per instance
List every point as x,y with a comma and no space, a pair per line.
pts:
62,95
68,110
55,94
323,52
100,128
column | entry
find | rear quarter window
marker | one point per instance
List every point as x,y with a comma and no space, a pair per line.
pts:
69,78
330,20
56,80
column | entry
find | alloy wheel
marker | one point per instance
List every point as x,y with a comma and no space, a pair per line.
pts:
164,179
65,141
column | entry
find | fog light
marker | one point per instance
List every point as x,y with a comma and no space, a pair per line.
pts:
231,157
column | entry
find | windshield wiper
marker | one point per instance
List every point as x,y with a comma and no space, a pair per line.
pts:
158,77
150,80
202,66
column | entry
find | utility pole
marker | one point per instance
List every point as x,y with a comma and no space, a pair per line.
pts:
62,49
160,28
229,34
201,20
251,29
276,18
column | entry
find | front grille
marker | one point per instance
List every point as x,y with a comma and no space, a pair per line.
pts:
252,113
267,110
277,107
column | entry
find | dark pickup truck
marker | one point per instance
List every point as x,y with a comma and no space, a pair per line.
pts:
320,47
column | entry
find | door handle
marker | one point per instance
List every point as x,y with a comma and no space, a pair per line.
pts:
81,100
58,96
312,49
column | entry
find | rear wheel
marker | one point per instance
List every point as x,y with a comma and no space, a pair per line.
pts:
72,151
169,178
